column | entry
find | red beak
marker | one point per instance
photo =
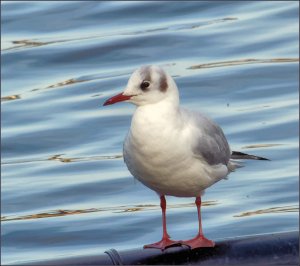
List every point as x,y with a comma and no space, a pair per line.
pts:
117,98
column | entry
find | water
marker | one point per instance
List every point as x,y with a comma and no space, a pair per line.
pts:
65,188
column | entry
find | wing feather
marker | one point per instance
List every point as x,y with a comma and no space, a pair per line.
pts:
210,142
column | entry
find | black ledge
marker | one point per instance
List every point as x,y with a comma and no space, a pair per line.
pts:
267,249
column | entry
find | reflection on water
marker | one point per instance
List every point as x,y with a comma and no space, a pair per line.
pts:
10,98
183,26
28,43
282,209
173,27
64,83
255,146
208,65
81,159
145,207
115,209
60,158
245,62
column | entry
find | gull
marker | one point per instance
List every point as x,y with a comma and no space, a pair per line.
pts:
170,149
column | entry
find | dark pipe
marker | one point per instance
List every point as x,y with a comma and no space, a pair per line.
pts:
268,249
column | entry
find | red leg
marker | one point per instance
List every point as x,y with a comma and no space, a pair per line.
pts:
199,241
165,242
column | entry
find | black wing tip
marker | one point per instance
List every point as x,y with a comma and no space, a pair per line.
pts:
263,159
241,155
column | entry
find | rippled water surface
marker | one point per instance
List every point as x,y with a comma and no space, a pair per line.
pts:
65,188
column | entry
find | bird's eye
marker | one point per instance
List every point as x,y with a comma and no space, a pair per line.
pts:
145,84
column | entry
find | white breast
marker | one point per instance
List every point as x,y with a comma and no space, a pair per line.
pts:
157,151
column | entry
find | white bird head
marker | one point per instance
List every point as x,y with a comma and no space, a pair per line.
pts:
148,85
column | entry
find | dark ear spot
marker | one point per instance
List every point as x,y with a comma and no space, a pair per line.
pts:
163,84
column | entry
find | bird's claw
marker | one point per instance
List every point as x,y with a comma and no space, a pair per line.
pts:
198,242
164,244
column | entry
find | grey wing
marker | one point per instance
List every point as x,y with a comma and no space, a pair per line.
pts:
211,143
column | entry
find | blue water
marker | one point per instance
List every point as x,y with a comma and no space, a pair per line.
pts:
65,188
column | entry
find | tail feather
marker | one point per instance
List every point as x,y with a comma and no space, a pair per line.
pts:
241,155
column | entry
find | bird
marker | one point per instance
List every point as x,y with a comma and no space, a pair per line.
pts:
173,150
